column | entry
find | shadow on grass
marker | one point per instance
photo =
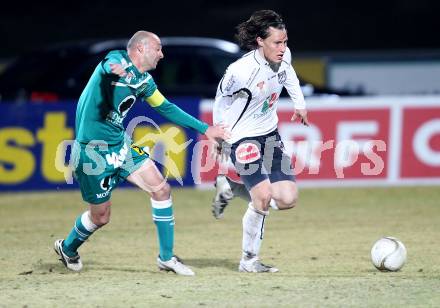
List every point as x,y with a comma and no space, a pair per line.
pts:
56,267
212,262
42,268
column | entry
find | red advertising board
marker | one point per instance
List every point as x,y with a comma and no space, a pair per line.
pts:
420,142
360,141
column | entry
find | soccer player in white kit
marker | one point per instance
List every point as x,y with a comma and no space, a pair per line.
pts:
246,101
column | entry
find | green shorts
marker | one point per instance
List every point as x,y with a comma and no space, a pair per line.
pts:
99,168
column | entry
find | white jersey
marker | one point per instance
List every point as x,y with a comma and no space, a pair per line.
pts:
248,93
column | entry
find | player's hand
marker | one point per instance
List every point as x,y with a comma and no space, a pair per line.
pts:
301,115
218,131
118,69
216,134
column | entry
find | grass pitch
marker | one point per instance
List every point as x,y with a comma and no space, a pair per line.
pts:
322,249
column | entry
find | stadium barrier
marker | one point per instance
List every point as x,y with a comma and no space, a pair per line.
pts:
351,141
35,143
356,141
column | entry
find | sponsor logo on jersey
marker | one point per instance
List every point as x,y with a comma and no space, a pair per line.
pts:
117,159
282,76
126,104
114,118
268,103
129,77
229,84
273,98
247,153
260,85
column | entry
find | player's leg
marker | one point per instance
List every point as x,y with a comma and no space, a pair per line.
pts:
225,188
224,192
285,194
96,190
88,222
253,229
149,179
238,189
283,187
257,183
85,225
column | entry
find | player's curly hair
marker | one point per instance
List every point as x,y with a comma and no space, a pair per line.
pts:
257,26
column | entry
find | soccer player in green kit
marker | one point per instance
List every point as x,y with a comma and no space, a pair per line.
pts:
104,156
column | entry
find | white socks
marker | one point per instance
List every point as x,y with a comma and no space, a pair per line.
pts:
87,222
273,204
253,231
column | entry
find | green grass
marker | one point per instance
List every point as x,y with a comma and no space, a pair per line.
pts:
322,249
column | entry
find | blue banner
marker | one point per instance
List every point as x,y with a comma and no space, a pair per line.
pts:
30,135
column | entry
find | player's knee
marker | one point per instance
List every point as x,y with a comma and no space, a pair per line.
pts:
266,198
291,202
100,219
162,193
263,199
287,202
100,213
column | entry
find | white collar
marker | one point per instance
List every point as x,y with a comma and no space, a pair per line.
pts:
260,59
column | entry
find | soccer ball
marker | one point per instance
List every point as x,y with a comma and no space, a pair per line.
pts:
388,254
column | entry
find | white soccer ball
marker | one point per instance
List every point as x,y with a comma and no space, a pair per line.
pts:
388,254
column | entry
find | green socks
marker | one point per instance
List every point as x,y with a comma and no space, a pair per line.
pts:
83,228
164,220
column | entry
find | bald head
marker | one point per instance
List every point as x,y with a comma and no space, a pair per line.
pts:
145,50
141,37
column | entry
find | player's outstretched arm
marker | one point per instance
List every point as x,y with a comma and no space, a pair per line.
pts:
180,117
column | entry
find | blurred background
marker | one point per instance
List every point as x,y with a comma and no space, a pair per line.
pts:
312,25
330,40
380,61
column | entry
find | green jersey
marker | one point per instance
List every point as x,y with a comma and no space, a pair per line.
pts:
107,98
102,107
